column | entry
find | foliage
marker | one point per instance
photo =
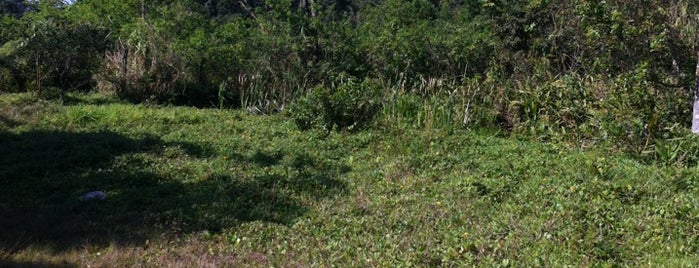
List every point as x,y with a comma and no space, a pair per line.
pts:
577,112
49,49
15,8
261,55
587,73
199,187
407,40
145,69
350,105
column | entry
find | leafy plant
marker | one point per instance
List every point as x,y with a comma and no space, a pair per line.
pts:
349,106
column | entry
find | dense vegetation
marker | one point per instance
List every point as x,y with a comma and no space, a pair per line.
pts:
193,187
583,71
374,109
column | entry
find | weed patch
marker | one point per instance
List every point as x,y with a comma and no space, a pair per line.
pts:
212,187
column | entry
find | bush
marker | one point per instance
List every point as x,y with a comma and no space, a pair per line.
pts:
147,66
133,75
7,82
350,106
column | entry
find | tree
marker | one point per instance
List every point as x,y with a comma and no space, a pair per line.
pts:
15,8
49,47
684,18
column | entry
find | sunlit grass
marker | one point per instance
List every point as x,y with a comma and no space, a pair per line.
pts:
208,187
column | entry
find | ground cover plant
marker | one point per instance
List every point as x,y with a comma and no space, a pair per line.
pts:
209,187
348,133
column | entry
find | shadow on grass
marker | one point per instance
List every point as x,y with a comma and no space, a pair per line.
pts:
34,264
6,122
43,174
81,99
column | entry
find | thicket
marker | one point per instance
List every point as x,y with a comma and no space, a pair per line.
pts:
617,71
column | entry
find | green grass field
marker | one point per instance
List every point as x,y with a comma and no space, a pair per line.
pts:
214,188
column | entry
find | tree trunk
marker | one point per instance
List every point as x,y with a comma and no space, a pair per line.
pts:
124,62
201,79
124,69
143,10
37,79
695,112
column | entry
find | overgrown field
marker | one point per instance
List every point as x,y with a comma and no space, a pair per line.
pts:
206,187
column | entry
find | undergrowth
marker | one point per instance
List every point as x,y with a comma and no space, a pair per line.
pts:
206,187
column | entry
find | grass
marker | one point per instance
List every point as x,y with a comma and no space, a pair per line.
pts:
205,187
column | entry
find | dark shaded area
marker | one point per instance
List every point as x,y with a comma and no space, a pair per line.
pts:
70,99
4,121
33,264
15,8
43,174
267,159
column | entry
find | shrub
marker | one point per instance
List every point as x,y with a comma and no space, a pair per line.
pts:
350,106
7,82
131,75
307,111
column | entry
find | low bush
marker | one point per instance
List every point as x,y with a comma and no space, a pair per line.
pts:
7,82
349,106
131,74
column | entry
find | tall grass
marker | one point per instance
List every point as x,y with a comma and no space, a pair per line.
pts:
622,113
